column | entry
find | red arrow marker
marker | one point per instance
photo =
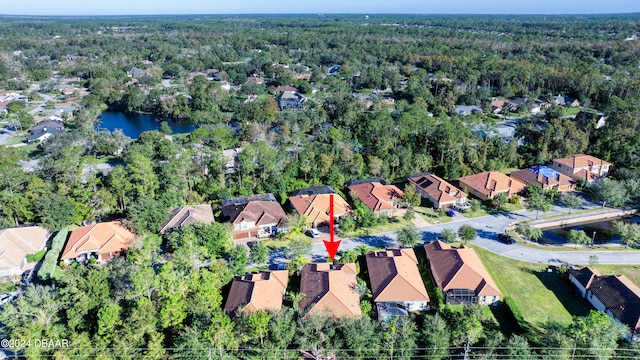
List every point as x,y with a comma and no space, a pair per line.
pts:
331,245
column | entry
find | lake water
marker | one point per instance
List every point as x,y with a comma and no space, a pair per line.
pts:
134,124
602,229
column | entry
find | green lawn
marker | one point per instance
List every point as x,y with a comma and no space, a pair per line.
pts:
431,215
274,244
572,111
394,224
541,296
17,140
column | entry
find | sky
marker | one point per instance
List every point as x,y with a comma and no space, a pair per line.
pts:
158,7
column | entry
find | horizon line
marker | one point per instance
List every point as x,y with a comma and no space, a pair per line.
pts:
318,14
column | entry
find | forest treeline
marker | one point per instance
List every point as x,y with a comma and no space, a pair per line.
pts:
156,299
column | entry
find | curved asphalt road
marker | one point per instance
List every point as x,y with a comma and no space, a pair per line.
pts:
488,227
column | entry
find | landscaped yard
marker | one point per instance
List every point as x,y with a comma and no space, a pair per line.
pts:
572,111
432,215
394,224
542,296
17,140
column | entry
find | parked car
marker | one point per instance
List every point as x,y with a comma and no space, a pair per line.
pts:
451,213
314,233
506,239
279,266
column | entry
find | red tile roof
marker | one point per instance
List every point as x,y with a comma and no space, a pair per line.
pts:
491,183
436,188
261,291
460,269
581,161
316,207
394,276
377,196
101,238
329,289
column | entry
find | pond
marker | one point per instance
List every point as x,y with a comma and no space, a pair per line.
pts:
601,231
134,124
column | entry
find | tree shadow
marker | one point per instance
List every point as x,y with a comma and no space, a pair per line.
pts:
564,291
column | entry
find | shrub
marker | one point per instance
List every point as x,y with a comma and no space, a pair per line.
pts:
36,257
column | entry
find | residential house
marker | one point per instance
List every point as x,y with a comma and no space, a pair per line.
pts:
231,155
486,185
545,177
259,291
615,295
43,131
566,101
497,105
464,110
314,204
460,275
255,79
329,289
280,89
439,192
396,284
16,244
187,215
101,241
379,196
290,100
581,166
254,216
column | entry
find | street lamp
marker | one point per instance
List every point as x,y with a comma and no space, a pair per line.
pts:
593,238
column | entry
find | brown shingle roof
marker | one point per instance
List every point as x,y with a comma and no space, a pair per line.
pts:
16,243
531,177
620,296
460,269
438,189
581,161
261,291
186,215
316,207
394,276
101,238
260,209
584,276
329,288
377,196
491,183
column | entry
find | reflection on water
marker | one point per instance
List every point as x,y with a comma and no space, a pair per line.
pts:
600,231
135,124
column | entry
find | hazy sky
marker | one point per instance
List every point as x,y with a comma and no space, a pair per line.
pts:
143,7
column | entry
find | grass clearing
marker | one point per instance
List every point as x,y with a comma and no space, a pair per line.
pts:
17,140
572,111
275,244
630,271
432,215
541,296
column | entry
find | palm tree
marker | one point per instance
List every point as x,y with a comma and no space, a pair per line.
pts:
348,256
361,289
296,298
362,249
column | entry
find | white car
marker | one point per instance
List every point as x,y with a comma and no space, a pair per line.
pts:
314,233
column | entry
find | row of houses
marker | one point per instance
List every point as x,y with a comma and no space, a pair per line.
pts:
395,282
262,215
562,175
